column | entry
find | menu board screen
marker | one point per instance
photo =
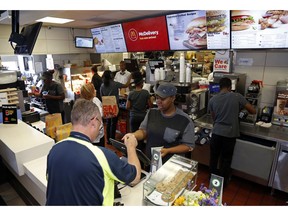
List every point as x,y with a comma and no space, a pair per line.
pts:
259,29
196,30
109,39
146,35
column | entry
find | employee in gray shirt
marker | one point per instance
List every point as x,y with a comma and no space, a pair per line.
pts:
166,126
225,108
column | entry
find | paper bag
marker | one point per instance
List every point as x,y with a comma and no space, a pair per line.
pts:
51,122
63,131
110,107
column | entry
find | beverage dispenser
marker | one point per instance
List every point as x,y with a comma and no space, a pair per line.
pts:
238,80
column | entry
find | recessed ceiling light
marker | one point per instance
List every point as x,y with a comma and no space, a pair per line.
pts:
54,20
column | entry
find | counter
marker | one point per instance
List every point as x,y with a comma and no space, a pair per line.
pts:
255,154
132,196
274,133
24,149
21,143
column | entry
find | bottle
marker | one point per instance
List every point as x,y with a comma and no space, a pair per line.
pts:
182,68
157,74
162,73
188,73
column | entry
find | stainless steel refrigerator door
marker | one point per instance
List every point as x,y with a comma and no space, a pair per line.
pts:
281,174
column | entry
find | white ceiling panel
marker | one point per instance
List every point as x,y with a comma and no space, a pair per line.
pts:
84,18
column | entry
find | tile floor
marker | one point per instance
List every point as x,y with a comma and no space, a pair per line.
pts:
10,196
241,192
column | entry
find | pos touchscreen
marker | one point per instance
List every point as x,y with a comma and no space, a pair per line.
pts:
123,149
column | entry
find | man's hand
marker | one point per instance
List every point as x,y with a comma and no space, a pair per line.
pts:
130,140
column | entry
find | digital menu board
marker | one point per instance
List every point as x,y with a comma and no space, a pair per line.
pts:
84,42
259,29
109,39
198,30
146,35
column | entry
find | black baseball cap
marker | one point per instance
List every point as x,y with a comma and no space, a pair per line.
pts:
166,90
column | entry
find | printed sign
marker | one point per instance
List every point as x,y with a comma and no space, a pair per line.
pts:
221,64
199,30
216,182
146,35
156,160
9,114
259,29
282,103
109,39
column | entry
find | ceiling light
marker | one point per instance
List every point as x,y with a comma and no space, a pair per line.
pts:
54,20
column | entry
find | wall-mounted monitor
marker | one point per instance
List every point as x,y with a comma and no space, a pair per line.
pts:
132,65
84,42
146,35
254,29
199,30
29,35
109,39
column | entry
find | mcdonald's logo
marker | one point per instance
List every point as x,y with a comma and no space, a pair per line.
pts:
133,34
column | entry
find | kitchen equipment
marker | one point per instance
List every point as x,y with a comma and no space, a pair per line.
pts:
266,114
253,96
30,117
193,103
238,79
8,79
253,158
280,180
254,99
254,87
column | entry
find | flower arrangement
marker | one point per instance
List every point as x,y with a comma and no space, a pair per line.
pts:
203,197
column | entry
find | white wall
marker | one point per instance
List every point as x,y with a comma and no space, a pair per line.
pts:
50,41
269,66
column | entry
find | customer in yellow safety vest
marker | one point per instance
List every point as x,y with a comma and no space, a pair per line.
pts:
80,173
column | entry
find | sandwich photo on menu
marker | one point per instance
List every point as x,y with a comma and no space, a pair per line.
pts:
216,20
197,34
241,20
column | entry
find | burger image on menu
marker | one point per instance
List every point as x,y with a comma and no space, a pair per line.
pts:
197,34
216,20
241,20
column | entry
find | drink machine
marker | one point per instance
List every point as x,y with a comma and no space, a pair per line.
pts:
238,80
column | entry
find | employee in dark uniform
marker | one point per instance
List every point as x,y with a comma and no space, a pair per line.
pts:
138,102
80,173
166,126
97,81
53,93
110,88
225,108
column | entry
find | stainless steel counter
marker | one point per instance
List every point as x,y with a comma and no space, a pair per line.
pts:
256,152
274,133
